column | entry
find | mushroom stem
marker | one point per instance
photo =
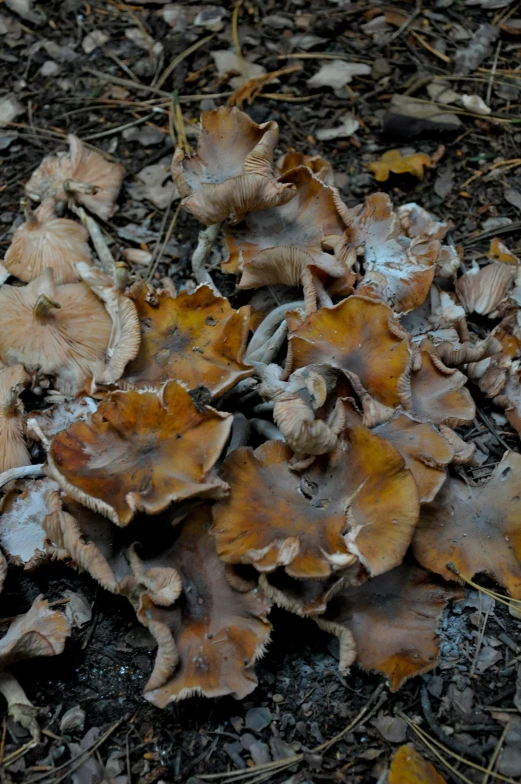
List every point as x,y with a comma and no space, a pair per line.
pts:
269,325
28,213
121,276
204,246
77,186
269,351
22,472
10,406
98,240
19,707
266,429
43,307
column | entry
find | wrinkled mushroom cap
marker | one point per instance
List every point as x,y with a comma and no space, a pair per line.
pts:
13,451
140,451
321,168
232,171
40,632
55,330
47,241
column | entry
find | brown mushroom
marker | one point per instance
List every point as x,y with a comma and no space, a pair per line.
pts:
61,331
470,529
481,290
217,631
357,335
390,622
197,338
13,451
47,241
140,451
81,176
232,171
339,510
40,632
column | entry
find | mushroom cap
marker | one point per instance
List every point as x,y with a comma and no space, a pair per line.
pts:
40,632
232,171
197,338
403,268
86,167
320,167
393,619
141,450
47,241
476,528
274,245
510,397
219,632
13,451
481,290
439,394
307,597
357,335
417,222
22,535
409,767
64,341
345,505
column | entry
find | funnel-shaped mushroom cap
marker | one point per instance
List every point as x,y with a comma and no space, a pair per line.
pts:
47,241
40,632
321,168
404,268
409,767
232,171
481,290
280,245
425,451
197,338
56,330
140,451
13,451
357,335
22,535
475,528
86,168
218,631
393,620
438,393
342,508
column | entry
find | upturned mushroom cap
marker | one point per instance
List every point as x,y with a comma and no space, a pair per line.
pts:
47,241
281,244
475,528
197,338
217,631
402,269
40,632
321,168
393,621
84,167
140,451
13,451
22,535
357,335
482,290
232,171
339,510
61,331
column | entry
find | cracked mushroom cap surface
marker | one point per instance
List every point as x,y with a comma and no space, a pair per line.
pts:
86,167
275,245
40,632
475,528
402,269
360,336
392,620
45,240
219,632
13,450
140,451
322,521
197,338
60,331
232,171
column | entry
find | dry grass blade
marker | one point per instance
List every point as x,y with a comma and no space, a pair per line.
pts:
180,57
159,255
493,594
495,753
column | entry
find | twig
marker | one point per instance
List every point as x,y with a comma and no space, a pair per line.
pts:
22,472
455,745
158,252
204,246
497,596
481,634
492,74
148,89
180,57
110,131
495,753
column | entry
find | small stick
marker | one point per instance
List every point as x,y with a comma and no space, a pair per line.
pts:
204,246
22,472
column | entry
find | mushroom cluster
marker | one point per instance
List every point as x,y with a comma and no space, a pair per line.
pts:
299,445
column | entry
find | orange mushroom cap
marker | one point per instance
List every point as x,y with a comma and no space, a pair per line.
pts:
409,767
197,338
140,451
232,171
475,528
47,241
357,335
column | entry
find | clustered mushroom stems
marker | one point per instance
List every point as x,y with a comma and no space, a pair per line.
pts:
301,450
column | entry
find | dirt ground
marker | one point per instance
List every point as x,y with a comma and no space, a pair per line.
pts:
471,701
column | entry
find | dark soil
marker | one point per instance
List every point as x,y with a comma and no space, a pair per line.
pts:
106,663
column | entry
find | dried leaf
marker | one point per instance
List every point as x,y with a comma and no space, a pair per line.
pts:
392,161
